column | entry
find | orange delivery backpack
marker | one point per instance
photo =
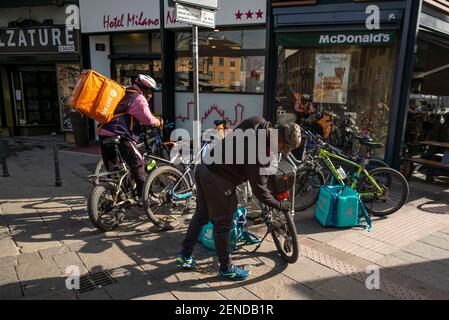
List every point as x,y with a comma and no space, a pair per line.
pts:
96,96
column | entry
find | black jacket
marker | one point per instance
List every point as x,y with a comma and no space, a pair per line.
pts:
237,174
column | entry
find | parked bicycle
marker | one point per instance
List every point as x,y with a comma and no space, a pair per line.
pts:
314,173
383,190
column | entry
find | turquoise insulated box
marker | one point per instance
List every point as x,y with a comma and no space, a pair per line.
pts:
207,233
338,206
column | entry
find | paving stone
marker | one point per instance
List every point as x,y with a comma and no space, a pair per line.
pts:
132,287
157,296
67,260
197,291
349,289
40,277
8,248
10,291
98,294
29,242
104,256
429,252
436,242
58,295
309,273
53,252
30,257
336,253
280,286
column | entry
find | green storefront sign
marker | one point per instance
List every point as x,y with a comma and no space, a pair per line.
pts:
316,39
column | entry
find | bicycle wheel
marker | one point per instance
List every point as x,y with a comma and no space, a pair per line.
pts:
284,236
161,207
101,210
391,198
307,189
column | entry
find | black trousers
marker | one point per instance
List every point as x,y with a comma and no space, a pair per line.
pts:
216,201
133,158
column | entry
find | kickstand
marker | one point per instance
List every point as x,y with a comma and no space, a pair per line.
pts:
260,243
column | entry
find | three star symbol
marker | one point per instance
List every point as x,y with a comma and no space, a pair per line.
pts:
249,14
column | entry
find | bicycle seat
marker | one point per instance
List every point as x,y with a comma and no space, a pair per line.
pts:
367,141
111,141
220,122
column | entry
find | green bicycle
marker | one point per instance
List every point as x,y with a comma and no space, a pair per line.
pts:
383,190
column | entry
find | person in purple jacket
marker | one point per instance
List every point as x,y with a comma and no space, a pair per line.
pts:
135,106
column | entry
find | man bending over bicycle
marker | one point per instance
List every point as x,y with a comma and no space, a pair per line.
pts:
134,106
216,198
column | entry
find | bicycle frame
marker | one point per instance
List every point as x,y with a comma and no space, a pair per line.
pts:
326,156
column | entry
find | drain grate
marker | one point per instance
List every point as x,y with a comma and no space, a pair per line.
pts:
94,281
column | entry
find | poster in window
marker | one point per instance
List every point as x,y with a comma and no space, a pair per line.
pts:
331,78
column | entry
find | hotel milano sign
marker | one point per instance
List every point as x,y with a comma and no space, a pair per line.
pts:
52,39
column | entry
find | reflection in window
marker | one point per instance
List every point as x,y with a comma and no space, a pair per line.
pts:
352,85
225,65
217,78
126,72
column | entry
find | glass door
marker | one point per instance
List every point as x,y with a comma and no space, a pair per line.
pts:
35,96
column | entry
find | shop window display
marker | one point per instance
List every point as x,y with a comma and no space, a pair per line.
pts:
338,91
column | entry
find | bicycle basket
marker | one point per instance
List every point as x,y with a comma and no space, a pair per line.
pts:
283,180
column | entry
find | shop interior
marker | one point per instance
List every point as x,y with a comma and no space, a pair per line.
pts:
427,131
346,91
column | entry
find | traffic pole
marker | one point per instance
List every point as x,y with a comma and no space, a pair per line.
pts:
196,93
58,181
3,158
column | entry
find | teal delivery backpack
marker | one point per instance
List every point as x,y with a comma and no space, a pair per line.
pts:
238,232
338,206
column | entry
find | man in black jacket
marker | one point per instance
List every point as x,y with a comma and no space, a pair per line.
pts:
216,187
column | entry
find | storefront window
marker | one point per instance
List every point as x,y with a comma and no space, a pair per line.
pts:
136,43
126,72
68,74
346,88
230,61
428,112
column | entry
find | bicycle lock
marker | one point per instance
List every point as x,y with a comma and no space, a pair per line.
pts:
3,158
58,181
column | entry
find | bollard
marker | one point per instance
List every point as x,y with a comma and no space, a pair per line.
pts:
58,181
3,158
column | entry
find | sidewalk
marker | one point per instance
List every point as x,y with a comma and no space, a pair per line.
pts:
44,229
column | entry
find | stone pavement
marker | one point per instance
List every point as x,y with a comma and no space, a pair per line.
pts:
44,230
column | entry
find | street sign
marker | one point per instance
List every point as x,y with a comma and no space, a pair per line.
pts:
195,16
206,4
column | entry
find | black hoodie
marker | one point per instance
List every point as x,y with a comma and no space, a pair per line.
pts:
237,174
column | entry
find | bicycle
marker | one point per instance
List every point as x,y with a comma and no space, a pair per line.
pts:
151,146
376,187
168,192
113,193
314,173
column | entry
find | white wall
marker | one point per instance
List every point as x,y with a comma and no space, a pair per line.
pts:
99,59
214,106
36,13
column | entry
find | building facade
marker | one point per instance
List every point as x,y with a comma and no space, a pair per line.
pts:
359,79
40,61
